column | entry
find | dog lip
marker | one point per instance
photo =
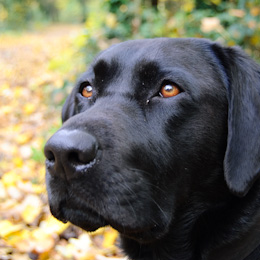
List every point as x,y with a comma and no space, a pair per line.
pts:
87,219
90,220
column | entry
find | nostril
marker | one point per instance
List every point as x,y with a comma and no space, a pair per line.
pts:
82,156
73,157
49,155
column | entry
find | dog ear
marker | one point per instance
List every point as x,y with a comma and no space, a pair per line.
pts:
68,109
242,158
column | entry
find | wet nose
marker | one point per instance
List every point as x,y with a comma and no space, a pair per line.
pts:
70,152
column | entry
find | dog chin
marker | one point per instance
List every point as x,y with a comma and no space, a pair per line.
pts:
90,221
143,236
87,220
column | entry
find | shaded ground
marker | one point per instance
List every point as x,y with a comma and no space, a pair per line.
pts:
32,65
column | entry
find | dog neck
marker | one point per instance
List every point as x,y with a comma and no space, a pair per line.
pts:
207,236
242,240
254,255
245,248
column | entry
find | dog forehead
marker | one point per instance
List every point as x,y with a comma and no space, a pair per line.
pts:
162,52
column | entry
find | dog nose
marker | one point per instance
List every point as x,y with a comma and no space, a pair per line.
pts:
69,152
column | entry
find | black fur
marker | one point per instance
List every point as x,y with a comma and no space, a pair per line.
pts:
177,177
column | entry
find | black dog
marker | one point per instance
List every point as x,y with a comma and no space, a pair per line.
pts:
161,140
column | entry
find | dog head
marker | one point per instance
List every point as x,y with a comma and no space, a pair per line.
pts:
152,125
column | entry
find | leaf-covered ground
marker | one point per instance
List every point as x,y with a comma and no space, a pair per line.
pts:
32,65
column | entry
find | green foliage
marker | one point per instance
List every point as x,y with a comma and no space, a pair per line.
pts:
26,14
37,155
232,22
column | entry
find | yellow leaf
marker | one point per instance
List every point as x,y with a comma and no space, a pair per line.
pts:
3,88
14,192
17,128
78,248
29,109
38,189
98,232
23,138
42,172
82,243
52,225
7,228
6,110
110,238
10,179
111,20
32,206
18,239
67,251
43,256
41,241
18,162
30,213
18,92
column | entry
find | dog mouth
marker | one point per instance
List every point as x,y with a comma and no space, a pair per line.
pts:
90,220
130,211
87,219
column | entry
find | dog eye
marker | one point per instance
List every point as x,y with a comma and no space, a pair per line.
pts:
169,90
87,91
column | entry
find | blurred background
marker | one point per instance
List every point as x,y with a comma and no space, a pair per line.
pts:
44,46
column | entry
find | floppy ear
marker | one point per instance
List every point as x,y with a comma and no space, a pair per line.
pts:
68,109
242,158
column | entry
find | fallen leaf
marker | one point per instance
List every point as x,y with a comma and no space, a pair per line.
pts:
14,192
41,241
110,238
10,178
7,228
19,239
29,108
52,225
83,242
23,138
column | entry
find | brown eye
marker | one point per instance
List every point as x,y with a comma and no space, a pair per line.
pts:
87,91
169,90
